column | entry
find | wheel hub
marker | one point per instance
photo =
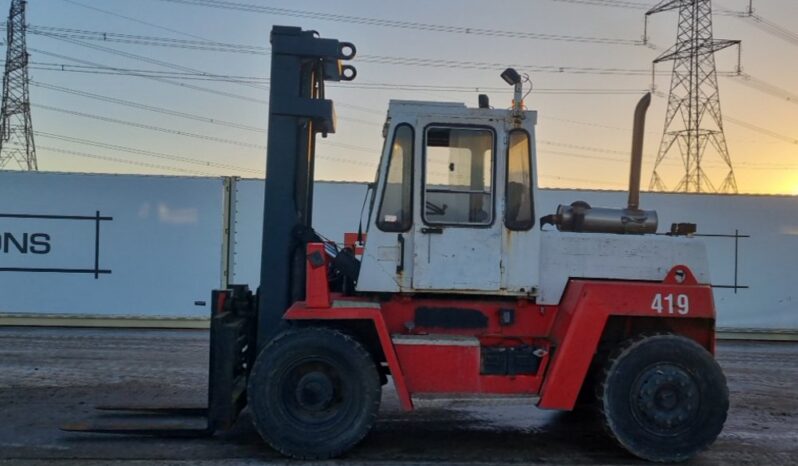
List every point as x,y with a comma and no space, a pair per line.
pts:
314,391
667,399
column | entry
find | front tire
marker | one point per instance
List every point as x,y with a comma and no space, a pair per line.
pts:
314,393
663,397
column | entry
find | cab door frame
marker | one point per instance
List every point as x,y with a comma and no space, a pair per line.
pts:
458,256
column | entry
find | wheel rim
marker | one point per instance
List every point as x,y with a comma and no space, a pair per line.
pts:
313,392
665,400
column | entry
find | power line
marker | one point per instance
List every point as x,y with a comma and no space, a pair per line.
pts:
576,146
203,45
609,3
480,65
151,127
346,146
640,6
770,27
215,121
183,33
453,90
148,153
583,156
125,161
168,81
761,130
476,89
149,108
767,88
390,23
130,18
115,71
154,78
592,124
754,19
586,181
374,86
189,116
364,58
215,45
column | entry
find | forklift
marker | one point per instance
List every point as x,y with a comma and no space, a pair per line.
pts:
456,286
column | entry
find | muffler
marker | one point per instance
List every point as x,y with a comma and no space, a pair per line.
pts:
581,217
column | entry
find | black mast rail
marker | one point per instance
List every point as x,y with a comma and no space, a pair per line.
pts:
301,62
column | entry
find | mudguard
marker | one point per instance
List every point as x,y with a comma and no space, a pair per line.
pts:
586,307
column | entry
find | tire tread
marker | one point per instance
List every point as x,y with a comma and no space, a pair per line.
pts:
623,350
364,360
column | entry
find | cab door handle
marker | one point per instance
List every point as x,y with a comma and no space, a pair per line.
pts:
432,230
400,267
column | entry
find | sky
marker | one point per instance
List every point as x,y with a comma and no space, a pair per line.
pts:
217,127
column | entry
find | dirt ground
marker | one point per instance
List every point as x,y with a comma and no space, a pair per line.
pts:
52,376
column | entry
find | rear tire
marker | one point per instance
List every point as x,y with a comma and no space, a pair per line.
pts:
314,393
663,397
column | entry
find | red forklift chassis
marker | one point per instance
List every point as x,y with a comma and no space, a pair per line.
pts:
310,351
424,355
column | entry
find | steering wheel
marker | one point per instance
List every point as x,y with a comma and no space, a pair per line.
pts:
435,209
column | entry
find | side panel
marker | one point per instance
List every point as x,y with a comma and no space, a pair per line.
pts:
457,259
453,367
584,312
445,366
156,250
564,256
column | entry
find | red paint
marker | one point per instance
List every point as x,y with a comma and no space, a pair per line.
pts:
317,287
221,297
350,241
584,311
439,369
300,312
455,369
569,333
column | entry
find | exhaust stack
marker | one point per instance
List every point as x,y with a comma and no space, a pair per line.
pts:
581,217
637,151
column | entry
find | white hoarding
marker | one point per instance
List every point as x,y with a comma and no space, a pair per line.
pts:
144,246
109,245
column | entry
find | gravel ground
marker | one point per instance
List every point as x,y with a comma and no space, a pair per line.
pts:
49,377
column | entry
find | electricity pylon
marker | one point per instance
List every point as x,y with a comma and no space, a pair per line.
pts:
693,120
16,129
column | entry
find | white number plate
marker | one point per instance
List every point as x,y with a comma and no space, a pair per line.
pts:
671,304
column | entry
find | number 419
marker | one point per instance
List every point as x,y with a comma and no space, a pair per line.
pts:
669,305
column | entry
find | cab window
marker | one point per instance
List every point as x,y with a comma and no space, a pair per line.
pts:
458,172
397,198
518,207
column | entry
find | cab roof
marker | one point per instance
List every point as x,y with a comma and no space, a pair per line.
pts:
398,108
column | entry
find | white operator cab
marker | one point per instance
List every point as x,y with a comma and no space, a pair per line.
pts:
454,205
